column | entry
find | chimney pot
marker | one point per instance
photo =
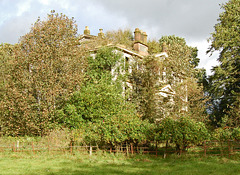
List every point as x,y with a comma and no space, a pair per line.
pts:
144,34
101,34
137,35
86,31
140,44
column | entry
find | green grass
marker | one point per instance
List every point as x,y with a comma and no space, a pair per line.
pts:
40,163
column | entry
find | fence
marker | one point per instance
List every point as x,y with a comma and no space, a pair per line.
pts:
207,148
45,147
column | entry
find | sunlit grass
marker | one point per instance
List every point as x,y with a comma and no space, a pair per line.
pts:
40,163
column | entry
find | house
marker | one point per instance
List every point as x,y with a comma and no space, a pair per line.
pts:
138,51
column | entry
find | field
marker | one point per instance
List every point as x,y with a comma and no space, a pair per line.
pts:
39,163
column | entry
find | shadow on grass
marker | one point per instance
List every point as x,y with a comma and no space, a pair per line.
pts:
104,169
112,164
155,167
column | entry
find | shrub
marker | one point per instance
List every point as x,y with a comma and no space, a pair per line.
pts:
184,132
226,133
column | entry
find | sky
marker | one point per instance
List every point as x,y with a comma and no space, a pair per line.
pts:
193,20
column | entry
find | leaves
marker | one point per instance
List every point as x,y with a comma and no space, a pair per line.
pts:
46,67
225,80
183,131
100,107
178,71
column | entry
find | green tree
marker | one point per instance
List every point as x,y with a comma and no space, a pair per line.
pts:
94,102
154,47
122,127
179,71
181,60
101,106
100,95
225,81
6,58
146,78
48,66
181,74
123,37
184,132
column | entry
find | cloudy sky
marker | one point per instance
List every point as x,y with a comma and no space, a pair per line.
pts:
191,19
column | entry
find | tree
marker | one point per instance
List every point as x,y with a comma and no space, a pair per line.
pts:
179,71
184,132
6,52
146,84
225,81
154,47
123,127
123,37
48,66
100,95
181,74
181,60
101,107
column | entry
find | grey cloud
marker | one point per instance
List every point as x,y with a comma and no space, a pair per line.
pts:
12,29
191,19
16,26
7,9
187,18
85,12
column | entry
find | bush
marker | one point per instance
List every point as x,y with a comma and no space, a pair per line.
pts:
116,129
184,132
226,133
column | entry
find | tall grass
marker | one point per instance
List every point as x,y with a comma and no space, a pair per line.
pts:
105,163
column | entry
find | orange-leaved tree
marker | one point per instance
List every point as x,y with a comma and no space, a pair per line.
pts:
48,66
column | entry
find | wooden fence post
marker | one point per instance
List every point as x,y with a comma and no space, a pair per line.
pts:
90,152
165,152
111,149
48,146
132,148
156,148
205,148
17,146
221,148
33,148
14,150
229,149
71,147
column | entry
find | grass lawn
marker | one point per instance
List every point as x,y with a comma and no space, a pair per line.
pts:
40,163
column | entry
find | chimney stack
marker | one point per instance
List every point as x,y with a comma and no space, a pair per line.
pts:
144,34
101,34
86,31
137,35
140,43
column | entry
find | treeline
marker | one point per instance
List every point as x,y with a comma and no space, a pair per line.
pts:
48,82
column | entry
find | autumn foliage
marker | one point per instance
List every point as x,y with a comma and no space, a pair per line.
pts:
51,81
